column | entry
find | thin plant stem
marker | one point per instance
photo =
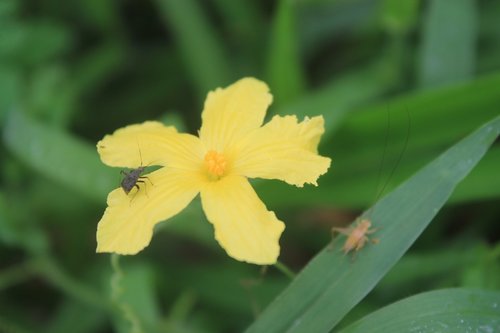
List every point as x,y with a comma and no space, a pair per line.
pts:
285,270
117,290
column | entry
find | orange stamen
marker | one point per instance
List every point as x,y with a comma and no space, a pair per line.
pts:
216,163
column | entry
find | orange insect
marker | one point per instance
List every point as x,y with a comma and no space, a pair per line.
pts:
356,235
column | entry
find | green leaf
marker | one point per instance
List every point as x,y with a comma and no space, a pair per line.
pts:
10,89
71,312
200,46
18,229
284,68
400,16
449,310
96,66
9,8
37,41
59,156
332,283
448,50
133,292
414,268
357,144
104,15
343,94
242,23
481,183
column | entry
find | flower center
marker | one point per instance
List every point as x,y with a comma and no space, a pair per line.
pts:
216,163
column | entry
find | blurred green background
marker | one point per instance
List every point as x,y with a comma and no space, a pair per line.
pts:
382,73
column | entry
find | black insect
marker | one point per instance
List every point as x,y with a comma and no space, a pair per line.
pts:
133,178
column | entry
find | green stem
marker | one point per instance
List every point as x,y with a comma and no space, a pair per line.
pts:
117,290
285,270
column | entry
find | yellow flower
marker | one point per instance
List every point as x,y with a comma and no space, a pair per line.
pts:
232,146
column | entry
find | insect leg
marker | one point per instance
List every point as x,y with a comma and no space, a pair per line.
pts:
130,202
361,243
138,188
371,231
146,177
142,182
343,231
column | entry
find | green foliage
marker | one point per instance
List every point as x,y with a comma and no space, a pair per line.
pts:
284,70
382,73
449,37
444,310
306,305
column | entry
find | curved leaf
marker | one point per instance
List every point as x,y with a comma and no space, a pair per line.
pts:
194,34
332,283
449,310
59,156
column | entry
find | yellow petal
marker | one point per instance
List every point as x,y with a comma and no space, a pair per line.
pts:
127,224
243,226
150,143
232,112
283,149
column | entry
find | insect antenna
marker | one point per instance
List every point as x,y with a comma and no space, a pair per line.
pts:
139,149
380,190
384,152
357,234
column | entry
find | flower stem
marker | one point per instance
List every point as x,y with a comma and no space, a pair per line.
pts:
285,270
117,290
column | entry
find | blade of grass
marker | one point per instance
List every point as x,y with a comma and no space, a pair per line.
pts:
449,310
284,69
133,292
69,312
200,46
399,17
356,146
10,89
59,156
242,23
481,183
337,98
448,50
332,284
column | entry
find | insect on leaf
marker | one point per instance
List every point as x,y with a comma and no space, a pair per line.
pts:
329,286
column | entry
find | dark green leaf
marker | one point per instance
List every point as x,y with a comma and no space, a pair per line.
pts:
448,50
59,156
284,68
201,48
451,310
332,283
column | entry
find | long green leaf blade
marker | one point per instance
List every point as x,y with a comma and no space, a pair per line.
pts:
199,44
59,156
353,171
449,42
449,310
284,69
332,283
